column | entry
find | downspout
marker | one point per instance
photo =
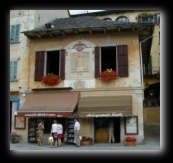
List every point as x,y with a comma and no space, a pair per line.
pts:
142,82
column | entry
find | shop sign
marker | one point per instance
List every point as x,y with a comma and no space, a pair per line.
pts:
104,115
42,115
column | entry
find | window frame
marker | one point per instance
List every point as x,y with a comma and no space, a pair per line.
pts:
41,62
122,67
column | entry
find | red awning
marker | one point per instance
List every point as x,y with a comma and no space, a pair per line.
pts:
61,104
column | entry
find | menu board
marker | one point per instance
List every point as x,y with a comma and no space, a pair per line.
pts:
131,125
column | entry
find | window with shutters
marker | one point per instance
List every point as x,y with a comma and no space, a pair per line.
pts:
14,33
13,70
112,57
47,62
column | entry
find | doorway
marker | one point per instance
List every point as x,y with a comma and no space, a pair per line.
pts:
101,126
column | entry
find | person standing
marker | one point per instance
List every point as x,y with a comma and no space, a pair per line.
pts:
54,132
60,132
77,132
40,133
111,131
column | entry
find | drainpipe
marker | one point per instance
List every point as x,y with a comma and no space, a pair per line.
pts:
142,82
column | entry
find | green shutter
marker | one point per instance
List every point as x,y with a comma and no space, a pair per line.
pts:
13,70
14,33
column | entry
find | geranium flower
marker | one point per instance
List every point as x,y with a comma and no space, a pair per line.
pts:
50,79
108,75
130,139
86,138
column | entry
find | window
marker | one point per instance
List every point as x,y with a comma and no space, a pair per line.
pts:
13,70
14,33
107,19
122,19
49,62
112,57
157,18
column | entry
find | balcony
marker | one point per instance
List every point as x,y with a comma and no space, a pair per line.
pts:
145,18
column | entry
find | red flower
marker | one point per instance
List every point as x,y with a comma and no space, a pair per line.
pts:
130,139
108,75
85,138
50,79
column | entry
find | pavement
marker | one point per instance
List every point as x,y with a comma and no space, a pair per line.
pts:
150,144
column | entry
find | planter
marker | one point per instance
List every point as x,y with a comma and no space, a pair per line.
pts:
129,143
85,143
15,139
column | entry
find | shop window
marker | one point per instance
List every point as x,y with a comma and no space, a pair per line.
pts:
112,57
50,62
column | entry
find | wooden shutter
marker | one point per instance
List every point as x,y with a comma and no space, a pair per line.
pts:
62,65
39,65
122,55
97,62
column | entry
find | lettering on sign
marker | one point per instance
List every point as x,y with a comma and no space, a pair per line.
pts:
104,115
42,115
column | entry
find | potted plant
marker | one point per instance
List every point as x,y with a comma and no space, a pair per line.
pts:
108,75
86,140
50,79
130,141
14,137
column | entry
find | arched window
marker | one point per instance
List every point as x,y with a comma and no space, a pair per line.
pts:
108,19
122,19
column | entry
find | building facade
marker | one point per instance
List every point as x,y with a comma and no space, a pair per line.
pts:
78,49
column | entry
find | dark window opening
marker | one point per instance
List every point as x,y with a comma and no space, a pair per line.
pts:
108,58
53,60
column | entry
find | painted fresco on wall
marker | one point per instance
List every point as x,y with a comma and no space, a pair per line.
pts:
79,61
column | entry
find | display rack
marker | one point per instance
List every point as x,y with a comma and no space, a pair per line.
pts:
32,127
70,131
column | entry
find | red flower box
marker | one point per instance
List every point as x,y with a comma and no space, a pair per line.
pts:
108,75
130,141
50,79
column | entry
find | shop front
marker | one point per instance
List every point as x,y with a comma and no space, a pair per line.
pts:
100,110
48,106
